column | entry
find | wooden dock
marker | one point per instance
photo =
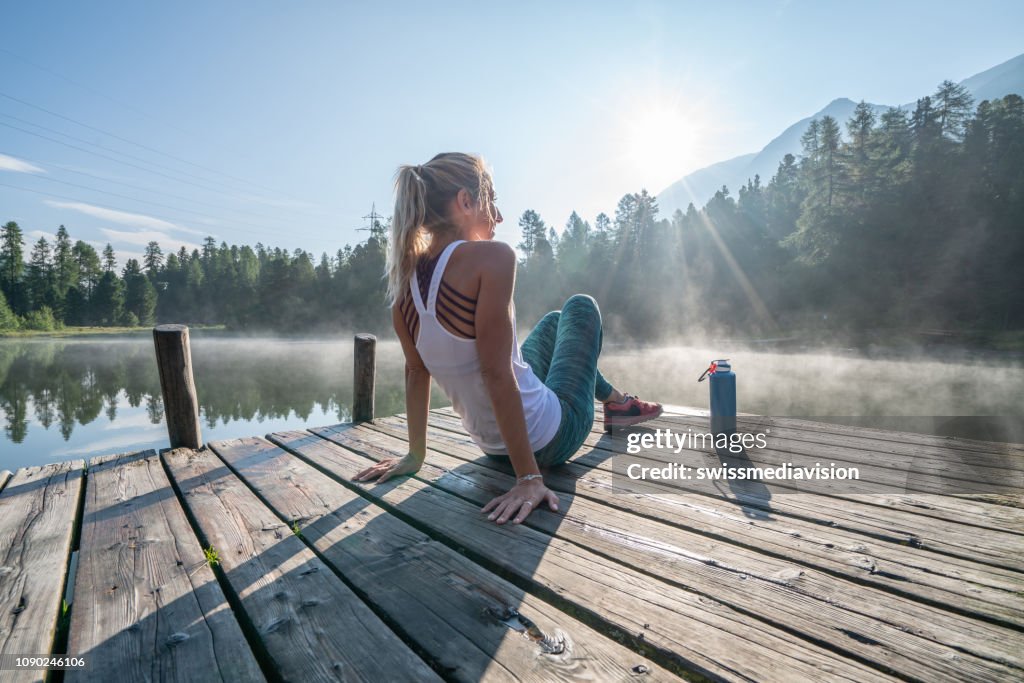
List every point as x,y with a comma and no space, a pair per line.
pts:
259,559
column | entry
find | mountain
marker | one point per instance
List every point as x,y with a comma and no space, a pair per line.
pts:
698,187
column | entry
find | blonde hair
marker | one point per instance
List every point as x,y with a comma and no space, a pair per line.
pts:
422,196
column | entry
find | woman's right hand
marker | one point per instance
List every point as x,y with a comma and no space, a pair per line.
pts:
521,500
390,467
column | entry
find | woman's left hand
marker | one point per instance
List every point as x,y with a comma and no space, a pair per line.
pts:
520,501
390,467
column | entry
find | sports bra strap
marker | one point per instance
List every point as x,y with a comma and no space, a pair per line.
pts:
435,281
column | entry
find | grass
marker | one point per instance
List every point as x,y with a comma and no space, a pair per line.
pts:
295,529
212,558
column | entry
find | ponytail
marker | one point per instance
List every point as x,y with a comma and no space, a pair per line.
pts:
422,194
408,236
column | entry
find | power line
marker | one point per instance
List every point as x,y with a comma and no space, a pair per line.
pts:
67,169
103,156
143,201
132,142
130,156
114,208
96,92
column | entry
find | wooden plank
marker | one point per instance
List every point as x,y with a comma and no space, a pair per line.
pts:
914,572
311,624
958,469
828,430
449,605
5,475
880,516
693,631
890,631
873,524
947,507
147,605
37,520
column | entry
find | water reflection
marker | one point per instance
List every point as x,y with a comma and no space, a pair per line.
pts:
76,398
104,396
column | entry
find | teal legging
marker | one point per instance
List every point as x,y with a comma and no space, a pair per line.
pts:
562,350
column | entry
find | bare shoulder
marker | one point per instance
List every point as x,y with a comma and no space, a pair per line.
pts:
492,255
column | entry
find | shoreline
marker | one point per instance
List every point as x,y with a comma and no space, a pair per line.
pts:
870,344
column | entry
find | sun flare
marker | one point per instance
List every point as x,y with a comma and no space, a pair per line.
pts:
661,143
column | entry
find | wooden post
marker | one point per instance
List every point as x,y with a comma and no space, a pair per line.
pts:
365,361
181,407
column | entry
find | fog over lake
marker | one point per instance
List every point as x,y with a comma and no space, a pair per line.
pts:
75,398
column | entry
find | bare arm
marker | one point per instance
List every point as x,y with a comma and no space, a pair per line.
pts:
494,339
417,402
494,346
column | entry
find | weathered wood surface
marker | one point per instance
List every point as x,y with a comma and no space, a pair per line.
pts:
5,475
866,516
181,405
888,631
945,507
692,630
829,430
37,519
886,463
321,578
883,516
457,612
974,588
313,627
147,605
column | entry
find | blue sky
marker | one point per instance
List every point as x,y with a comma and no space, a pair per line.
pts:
283,122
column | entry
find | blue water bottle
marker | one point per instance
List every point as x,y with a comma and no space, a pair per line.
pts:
723,396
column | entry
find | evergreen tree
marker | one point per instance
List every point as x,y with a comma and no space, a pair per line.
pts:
64,262
88,266
140,295
107,301
8,321
40,278
153,259
109,259
533,230
12,266
953,108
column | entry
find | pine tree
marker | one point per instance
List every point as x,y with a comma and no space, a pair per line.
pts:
12,266
8,321
534,232
109,259
64,262
140,296
40,279
107,301
153,259
953,108
88,266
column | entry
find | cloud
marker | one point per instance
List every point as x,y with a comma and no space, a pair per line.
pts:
17,165
140,220
34,235
144,237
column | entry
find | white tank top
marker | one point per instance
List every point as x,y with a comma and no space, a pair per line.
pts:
453,361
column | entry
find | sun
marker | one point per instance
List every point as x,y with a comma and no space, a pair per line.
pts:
661,143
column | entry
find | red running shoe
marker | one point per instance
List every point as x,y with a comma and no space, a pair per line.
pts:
630,412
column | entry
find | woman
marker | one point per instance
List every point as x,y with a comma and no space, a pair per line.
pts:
450,288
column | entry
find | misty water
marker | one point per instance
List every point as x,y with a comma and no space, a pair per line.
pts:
62,399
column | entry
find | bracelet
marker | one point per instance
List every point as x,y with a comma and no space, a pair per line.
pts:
528,477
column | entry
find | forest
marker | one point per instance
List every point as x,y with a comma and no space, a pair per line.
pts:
907,220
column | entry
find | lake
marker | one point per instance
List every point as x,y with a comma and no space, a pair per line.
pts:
75,398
